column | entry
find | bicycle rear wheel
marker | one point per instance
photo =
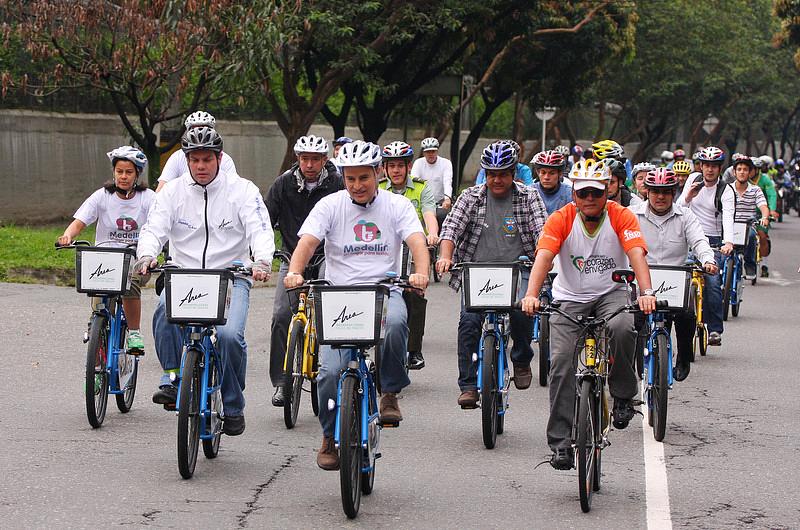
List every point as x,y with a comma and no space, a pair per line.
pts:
726,290
586,445
489,392
373,438
294,374
189,413
314,370
213,421
739,291
701,337
127,371
544,349
350,450
660,389
96,374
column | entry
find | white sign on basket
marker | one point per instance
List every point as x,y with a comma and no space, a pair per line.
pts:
102,271
491,286
669,285
194,296
348,315
739,233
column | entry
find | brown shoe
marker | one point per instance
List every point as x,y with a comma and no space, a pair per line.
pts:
468,399
389,409
328,456
522,376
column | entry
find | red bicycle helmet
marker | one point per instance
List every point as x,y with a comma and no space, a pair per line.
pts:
548,159
661,178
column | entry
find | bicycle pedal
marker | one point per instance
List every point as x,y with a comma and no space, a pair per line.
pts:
389,424
135,352
170,407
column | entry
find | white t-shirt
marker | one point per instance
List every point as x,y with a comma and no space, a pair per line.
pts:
703,207
438,175
118,220
176,166
361,244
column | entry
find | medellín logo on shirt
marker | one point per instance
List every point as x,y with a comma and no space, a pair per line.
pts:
369,233
366,231
509,224
127,229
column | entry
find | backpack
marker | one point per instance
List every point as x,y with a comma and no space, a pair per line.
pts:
717,193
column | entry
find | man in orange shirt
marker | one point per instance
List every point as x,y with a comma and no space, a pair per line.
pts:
591,237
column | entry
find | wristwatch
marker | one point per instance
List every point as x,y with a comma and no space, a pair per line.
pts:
648,292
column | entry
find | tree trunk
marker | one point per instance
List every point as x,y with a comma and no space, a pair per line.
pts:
519,115
601,121
477,130
339,121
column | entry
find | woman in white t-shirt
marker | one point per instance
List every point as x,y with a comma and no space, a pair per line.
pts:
120,209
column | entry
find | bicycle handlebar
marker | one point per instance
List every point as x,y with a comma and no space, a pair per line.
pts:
239,269
74,244
554,307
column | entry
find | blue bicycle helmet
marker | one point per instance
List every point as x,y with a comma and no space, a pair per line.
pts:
342,140
499,155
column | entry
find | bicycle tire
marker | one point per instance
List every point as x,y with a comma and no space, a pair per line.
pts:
315,370
702,339
544,349
489,393
739,290
585,443
726,291
350,450
293,375
96,375
213,423
368,477
434,252
125,400
660,392
189,413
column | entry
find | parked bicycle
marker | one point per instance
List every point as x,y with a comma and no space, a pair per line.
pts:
105,273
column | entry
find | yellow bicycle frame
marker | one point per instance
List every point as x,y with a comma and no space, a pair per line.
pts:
305,315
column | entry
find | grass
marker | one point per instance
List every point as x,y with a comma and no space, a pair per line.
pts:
28,254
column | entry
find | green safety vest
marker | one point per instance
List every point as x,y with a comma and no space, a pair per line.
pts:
412,193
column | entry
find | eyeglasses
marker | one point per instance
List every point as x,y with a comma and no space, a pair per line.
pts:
594,192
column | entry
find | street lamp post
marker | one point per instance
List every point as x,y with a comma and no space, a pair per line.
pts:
545,114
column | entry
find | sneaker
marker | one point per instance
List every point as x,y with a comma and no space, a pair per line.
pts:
389,409
749,271
623,413
681,371
279,397
764,271
468,399
715,338
522,376
233,425
135,342
328,455
562,459
166,395
415,360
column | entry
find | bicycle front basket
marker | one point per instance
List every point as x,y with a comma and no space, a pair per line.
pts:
198,296
103,271
350,315
671,283
490,286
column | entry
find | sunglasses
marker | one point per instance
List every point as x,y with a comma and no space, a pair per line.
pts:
586,192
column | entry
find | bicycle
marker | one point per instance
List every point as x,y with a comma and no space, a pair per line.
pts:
105,272
541,333
591,420
358,427
301,361
700,340
491,289
733,271
198,301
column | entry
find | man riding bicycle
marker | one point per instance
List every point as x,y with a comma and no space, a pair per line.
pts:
211,219
495,222
438,173
397,159
749,201
591,237
289,200
554,190
763,181
523,173
364,228
670,231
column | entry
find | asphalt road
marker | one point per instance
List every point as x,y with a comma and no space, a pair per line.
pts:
730,450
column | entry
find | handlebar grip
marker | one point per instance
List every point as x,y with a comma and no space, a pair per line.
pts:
662,304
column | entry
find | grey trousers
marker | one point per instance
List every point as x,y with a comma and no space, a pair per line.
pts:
622,380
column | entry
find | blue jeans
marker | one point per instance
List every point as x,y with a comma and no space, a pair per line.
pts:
470,327
231,346
712,293
392,362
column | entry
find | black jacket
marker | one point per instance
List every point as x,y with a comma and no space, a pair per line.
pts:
289,203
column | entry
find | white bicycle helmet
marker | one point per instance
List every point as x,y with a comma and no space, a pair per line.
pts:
590,170
430,144
200,118
766,161
201,139
311,144
563,150
642,166
127,152
667,155
359,153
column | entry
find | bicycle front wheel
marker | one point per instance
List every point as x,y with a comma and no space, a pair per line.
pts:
294,374
213,420
660,389
544,349
701,337
189,413
489,393
739,292
726,290
96,374
350,451
586,444
127,371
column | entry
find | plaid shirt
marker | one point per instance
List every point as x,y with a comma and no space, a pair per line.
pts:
465,221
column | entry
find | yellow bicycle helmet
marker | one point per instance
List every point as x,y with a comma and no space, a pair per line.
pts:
682,167
607,149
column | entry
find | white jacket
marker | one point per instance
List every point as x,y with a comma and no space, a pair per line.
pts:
209,227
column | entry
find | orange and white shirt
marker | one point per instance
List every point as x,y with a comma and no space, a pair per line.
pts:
587,260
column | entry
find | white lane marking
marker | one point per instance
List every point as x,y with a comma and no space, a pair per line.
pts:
656,486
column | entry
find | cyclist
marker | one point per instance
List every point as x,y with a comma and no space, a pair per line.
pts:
211,219
397,158
703,195
337,145
176,163
591,237
667,157
523,173
682,169
363,228
563,150
750,200
617,190
670,232
120,209
438,173
577,155
679,155
554,190
289,199
763,181
494,222
640,171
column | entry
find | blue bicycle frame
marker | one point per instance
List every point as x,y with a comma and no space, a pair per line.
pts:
733,260
115,340
199,338
493,325
357,367
654,318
